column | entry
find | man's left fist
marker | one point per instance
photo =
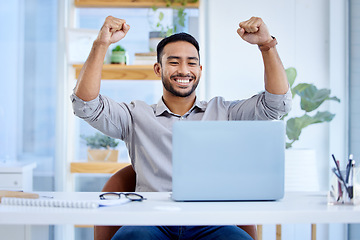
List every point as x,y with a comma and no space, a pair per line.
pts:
254,31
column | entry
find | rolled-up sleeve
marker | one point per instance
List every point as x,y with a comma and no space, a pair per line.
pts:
263,106
104,114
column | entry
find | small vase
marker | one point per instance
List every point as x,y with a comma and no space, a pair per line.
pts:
154,39
118,57
102,155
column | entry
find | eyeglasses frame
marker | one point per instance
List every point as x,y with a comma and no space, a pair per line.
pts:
102,196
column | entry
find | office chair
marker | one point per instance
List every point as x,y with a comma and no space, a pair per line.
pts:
124,180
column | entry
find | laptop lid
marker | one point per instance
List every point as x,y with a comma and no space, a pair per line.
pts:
228,160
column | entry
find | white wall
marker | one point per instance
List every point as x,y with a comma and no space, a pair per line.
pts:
234,68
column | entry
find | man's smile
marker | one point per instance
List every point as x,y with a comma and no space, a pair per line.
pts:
182,81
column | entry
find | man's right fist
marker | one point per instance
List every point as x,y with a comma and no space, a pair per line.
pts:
113,30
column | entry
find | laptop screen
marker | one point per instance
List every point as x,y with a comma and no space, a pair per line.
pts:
228,160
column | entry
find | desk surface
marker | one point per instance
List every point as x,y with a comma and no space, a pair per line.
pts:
159,209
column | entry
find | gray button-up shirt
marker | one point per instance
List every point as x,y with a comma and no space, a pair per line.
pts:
147,129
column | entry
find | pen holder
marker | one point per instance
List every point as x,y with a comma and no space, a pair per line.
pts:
342,192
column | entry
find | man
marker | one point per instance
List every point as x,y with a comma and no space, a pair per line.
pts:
146,129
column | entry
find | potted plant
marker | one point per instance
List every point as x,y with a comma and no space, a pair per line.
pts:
101,148
118,55
311,99
160,28
301,165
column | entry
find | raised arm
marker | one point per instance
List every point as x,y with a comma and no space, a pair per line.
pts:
88,84
254,31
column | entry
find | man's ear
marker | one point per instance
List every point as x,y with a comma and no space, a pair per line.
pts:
157,69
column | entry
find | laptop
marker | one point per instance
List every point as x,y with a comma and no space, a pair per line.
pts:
228,160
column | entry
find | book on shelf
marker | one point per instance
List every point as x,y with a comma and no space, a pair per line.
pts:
148,58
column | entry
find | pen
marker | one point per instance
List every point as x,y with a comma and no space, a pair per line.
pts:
351,176
340,189
348,166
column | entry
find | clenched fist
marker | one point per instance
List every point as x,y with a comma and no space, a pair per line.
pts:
254,31
113,30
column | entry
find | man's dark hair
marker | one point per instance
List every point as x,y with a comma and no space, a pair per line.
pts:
176,38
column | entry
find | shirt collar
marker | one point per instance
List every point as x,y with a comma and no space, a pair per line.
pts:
161,107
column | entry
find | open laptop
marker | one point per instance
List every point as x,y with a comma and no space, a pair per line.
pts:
228,160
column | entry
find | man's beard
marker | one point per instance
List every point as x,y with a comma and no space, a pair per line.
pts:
169,87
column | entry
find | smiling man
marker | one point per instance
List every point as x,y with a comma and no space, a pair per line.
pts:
147,129
182,61
180,71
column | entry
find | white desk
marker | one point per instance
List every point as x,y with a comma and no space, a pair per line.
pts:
158,209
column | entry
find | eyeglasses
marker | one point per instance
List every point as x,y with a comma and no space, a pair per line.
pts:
113,195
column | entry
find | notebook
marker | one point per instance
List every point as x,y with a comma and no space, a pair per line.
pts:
49,203
228,160
34,200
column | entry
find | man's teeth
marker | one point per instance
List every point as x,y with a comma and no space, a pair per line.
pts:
183,81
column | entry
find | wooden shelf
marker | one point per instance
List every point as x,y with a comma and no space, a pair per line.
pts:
96,167
124,72
130,3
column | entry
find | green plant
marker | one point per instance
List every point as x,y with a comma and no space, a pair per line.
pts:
180,18
310,99
99,140
118,55
118,48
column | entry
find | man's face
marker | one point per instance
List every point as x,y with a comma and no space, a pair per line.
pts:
180,69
